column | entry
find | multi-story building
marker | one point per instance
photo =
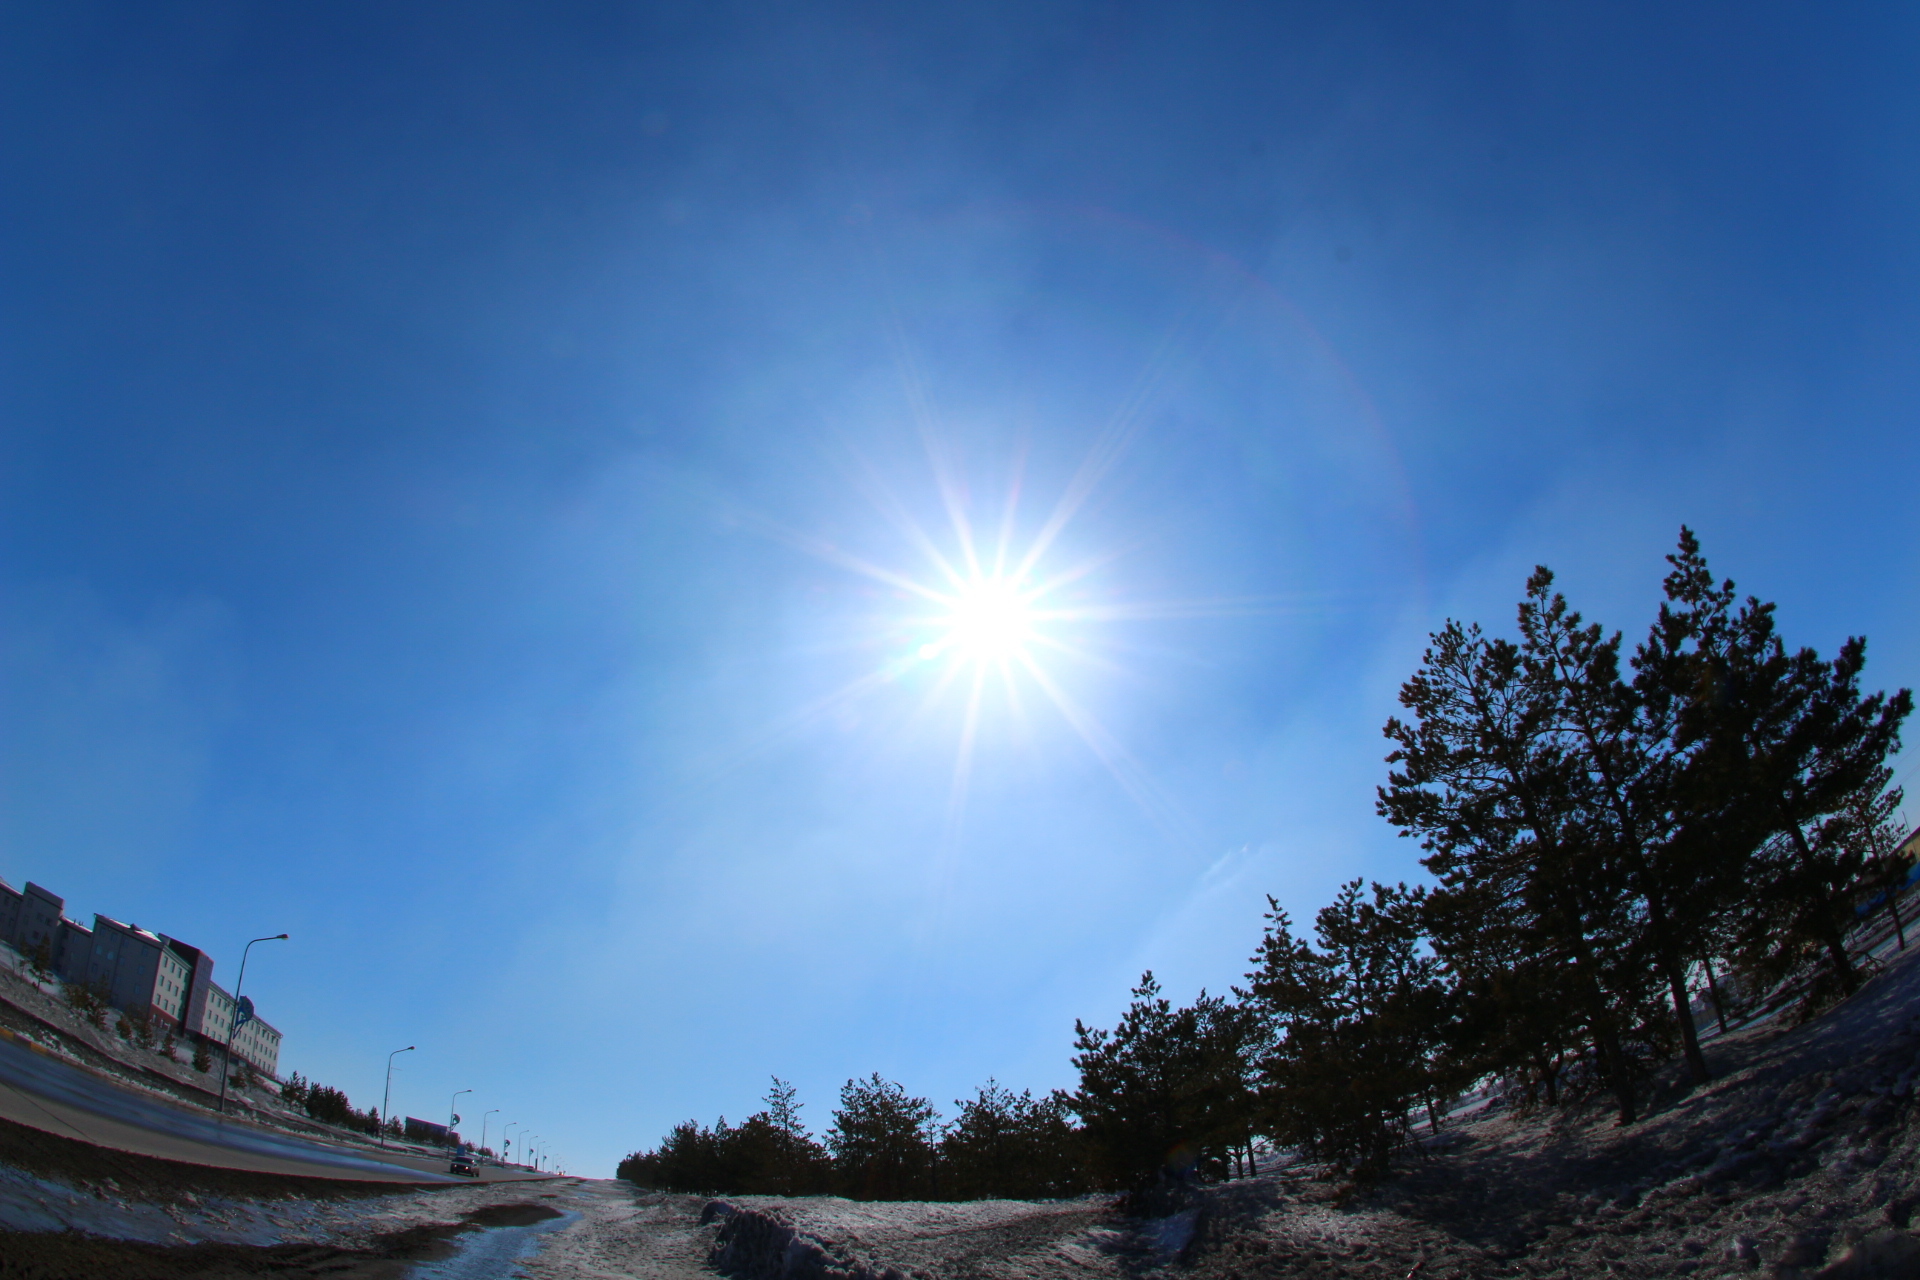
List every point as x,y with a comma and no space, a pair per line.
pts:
135,970
36,925
255,1041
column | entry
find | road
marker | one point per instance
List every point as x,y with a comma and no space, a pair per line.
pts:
47,1093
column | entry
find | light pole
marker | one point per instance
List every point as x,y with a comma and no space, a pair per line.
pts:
483,1131
526,1148
506,1143
386,1099
452,1117
239,1017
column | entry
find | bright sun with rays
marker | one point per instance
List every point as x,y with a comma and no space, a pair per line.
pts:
985,618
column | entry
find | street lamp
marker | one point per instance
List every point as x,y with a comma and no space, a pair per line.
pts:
483,1131
386,1099
241,1014
452,1118
506,1143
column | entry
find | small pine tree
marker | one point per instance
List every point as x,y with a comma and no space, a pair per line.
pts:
167,1047
883,1141
88,1003
202,1060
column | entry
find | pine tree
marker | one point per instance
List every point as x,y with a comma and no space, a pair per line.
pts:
1166,1092
1533,901
1622,746
1358,1027
795,1163
1009,1146
882,1141
1888,867
1798,751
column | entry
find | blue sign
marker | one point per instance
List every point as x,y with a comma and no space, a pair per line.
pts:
243,1013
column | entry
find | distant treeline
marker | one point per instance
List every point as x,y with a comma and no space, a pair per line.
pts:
881,1145
330,1106
1611,834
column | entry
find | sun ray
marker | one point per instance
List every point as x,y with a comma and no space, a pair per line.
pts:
1125,424
963,758
801,718
1119,762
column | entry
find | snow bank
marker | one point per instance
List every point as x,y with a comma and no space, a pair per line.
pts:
753,1245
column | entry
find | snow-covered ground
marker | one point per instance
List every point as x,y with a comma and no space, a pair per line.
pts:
1802,1157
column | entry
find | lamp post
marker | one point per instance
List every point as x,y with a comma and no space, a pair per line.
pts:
452,1117
483,1131
386,1099
234,1023
526,1148
506,1143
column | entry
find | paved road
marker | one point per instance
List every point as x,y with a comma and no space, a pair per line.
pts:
44,1092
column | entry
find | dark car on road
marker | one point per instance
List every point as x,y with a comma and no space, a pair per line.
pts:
464,1165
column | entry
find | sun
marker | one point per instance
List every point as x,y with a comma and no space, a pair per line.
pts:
986,621
989,620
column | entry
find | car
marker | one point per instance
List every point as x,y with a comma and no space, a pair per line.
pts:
464,1165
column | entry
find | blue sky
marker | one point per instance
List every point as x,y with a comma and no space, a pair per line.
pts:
439,446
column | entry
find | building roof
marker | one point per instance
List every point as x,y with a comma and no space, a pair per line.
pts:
145,934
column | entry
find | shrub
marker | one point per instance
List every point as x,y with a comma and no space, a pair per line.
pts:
87,1002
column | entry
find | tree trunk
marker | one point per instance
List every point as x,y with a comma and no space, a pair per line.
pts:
1689,1034
1893,909
1713,989
1836,943
1607,1045
1674,972
1842,962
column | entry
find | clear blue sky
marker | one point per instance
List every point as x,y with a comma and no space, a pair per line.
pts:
465,472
